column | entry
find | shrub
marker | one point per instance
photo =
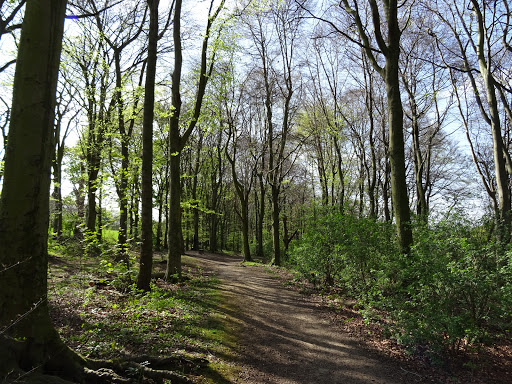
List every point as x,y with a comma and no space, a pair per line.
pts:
453,288
343,250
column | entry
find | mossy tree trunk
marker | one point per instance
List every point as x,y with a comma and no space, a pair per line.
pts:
24,204
388,44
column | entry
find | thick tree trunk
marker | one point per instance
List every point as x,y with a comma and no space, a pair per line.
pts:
24,205
389,73
214,225
397,156
123,198
396,133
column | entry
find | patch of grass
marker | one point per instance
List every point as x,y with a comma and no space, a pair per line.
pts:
110,235
252,263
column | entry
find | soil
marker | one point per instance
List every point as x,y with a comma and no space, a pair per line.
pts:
286,337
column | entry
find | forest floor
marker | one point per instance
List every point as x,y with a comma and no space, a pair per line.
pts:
251,323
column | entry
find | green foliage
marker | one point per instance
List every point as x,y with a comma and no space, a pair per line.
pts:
452,290
344,251
162,321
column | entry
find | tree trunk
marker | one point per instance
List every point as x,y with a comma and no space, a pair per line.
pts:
195,212
57,199
397,154
245,229
275,225
146,251
178,140
389,73
123,197
174,217
158,236
24,204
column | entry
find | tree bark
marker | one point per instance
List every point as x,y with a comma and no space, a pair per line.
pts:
146,252
390,74
174,236
260,216
24,204
397,151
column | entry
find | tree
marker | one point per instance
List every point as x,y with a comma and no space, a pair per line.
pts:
388,45
473,52
178,139
146,253
90,57
29,339
242,179
118,39
277,68
64,105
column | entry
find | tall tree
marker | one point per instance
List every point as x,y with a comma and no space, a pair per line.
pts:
242,179
24,203
388,45
475,28
282,20
146,253
129,27
178,139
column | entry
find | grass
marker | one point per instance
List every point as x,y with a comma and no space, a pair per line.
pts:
110,235
100,314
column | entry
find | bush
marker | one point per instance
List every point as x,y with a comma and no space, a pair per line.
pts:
344,251
453,289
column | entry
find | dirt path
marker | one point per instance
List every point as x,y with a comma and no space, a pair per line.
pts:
282,337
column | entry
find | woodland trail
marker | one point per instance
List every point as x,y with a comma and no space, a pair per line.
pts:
283,339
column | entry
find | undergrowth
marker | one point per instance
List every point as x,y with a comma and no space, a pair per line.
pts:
100,314
452,292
